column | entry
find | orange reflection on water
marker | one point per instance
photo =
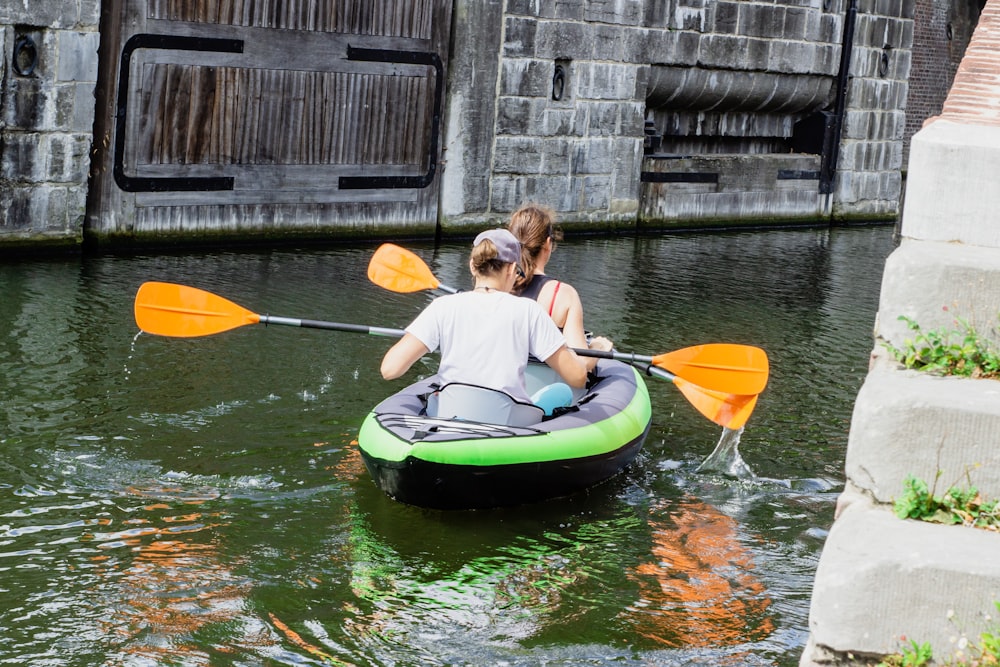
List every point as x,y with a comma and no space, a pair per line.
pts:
699,590
350,465
171,587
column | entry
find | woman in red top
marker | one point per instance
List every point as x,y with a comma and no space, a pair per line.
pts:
533,225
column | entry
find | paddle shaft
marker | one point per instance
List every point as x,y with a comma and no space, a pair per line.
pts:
331,326
398,333
167,309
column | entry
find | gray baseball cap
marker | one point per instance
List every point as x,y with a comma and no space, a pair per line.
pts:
508,248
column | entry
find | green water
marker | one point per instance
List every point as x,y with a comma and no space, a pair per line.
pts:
202,501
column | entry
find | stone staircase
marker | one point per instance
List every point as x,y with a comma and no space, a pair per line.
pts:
882,581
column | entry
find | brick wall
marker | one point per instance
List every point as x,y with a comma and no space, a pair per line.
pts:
941,34
976,89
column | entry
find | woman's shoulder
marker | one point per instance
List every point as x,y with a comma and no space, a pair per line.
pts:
535,285
562,290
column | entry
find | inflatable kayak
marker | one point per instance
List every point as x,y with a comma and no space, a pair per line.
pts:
493,451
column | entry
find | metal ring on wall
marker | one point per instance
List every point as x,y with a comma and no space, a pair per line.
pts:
558,83
25,56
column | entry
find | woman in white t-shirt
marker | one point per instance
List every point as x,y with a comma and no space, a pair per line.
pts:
486,335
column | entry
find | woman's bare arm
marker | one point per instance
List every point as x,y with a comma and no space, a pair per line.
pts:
570,367
401,356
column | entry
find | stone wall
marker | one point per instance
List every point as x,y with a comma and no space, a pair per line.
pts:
556,102
46,119
560,103
508,138
869,181
882,581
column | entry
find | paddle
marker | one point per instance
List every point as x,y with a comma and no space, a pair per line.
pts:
168,309
725,367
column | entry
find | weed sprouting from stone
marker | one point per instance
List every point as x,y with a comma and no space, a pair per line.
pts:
963,352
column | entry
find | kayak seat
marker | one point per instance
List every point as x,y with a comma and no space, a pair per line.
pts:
469,402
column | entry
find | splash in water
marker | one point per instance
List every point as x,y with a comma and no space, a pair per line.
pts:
726,459
128,371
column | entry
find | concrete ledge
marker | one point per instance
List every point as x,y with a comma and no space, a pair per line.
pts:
934,283
946,195
881,578
908,422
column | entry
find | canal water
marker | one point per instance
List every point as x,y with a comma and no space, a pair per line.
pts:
202,501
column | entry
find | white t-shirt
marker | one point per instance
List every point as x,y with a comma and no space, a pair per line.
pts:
485,338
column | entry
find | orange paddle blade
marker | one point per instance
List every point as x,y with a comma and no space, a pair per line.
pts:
729,410
166,309
734,369
400,270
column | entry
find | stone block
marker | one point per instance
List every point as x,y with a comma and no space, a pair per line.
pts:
759,20
882,581
50,13
629,12
75,107
43,212
523,7
520,37
688,16
68,158
793,57
15,209
626,180
26,104
871,155
555,155
723,52
510,192
603,119
564,40
568,122
595,193
796,23
22,159
831,27
515,115
90,13
631,119
727,16
656,46
63,106
603,81
526,77
517,155
609,42
564,10
935,428
934,283
77,56
945,183
593,156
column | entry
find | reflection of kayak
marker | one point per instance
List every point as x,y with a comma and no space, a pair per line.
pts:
450,463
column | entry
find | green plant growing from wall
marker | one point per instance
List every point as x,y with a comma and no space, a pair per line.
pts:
957,506
963,352
984,654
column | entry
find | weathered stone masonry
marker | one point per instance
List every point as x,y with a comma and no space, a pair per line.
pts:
881,581
46,119
726,89
642,113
